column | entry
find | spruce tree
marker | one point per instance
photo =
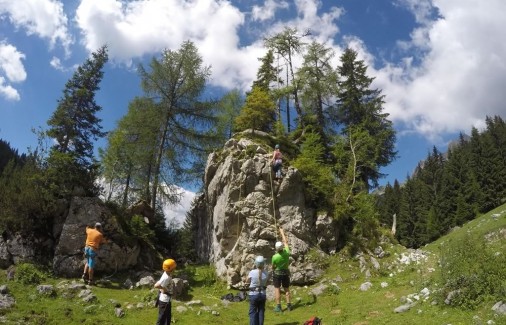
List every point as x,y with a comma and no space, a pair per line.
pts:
361,107
75,126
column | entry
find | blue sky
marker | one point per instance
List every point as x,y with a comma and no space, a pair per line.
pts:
440,63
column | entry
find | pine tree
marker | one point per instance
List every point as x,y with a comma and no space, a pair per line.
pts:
413,216
388,204
287,44
318,82
496,131
128,160
485,164
267,73
229,108
176,83
359,106
258,112
75,126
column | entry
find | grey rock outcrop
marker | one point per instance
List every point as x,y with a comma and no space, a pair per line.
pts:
241,205
15,249
116,255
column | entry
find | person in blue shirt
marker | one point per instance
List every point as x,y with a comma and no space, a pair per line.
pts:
257,283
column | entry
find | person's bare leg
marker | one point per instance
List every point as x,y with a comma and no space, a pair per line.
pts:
277,298
287,296
85,271
90,272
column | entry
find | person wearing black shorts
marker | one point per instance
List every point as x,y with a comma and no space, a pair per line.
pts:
281,276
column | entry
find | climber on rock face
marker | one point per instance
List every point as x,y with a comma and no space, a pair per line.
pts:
281,277
94,238
277,162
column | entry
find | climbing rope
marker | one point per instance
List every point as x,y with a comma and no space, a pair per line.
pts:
273,205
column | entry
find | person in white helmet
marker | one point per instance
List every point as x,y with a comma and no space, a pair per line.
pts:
257,283
281,277
165,287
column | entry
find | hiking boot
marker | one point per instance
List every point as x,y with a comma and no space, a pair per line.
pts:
84,278
277,309
289,307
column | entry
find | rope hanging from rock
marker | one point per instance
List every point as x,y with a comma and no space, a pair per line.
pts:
273,206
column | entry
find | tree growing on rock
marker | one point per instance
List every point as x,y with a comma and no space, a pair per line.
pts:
258,113
74,126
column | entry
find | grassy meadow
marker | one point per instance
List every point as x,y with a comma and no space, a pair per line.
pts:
340,303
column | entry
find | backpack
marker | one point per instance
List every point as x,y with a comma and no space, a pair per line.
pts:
313,321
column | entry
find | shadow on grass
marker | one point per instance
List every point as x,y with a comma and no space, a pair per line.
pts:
299,304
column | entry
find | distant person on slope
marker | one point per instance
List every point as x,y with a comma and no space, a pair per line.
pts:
165,285
277,162
281,278
257,283
94,238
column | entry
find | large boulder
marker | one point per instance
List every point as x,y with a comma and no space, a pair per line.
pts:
241,206
118,254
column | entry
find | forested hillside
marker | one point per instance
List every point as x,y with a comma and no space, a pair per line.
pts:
448,189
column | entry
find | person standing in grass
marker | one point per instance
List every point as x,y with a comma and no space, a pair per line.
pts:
94,238
281,278
165,286
257,283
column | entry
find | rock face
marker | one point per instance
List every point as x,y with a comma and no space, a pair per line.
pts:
118,254
15,249
237,214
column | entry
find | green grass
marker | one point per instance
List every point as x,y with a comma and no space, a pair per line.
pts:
348,305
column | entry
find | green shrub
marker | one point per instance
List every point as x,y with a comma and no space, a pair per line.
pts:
207,276
140,229
317,175
473,270
318,258
28,274
150,296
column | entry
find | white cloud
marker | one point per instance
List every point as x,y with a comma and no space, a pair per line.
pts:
43,18
138,28
56,63
11,70
450,78
462,69
268,10
7,90
177,213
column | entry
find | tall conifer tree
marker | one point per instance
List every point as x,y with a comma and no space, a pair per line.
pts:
75,126
361,107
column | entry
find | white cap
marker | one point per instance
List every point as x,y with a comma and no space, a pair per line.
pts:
279,245
98,225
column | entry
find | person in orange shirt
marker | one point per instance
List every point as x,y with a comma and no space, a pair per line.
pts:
94,238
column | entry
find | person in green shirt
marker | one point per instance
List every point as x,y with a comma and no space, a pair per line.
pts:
281,276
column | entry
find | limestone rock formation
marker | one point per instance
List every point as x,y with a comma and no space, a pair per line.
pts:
118,254
241,205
